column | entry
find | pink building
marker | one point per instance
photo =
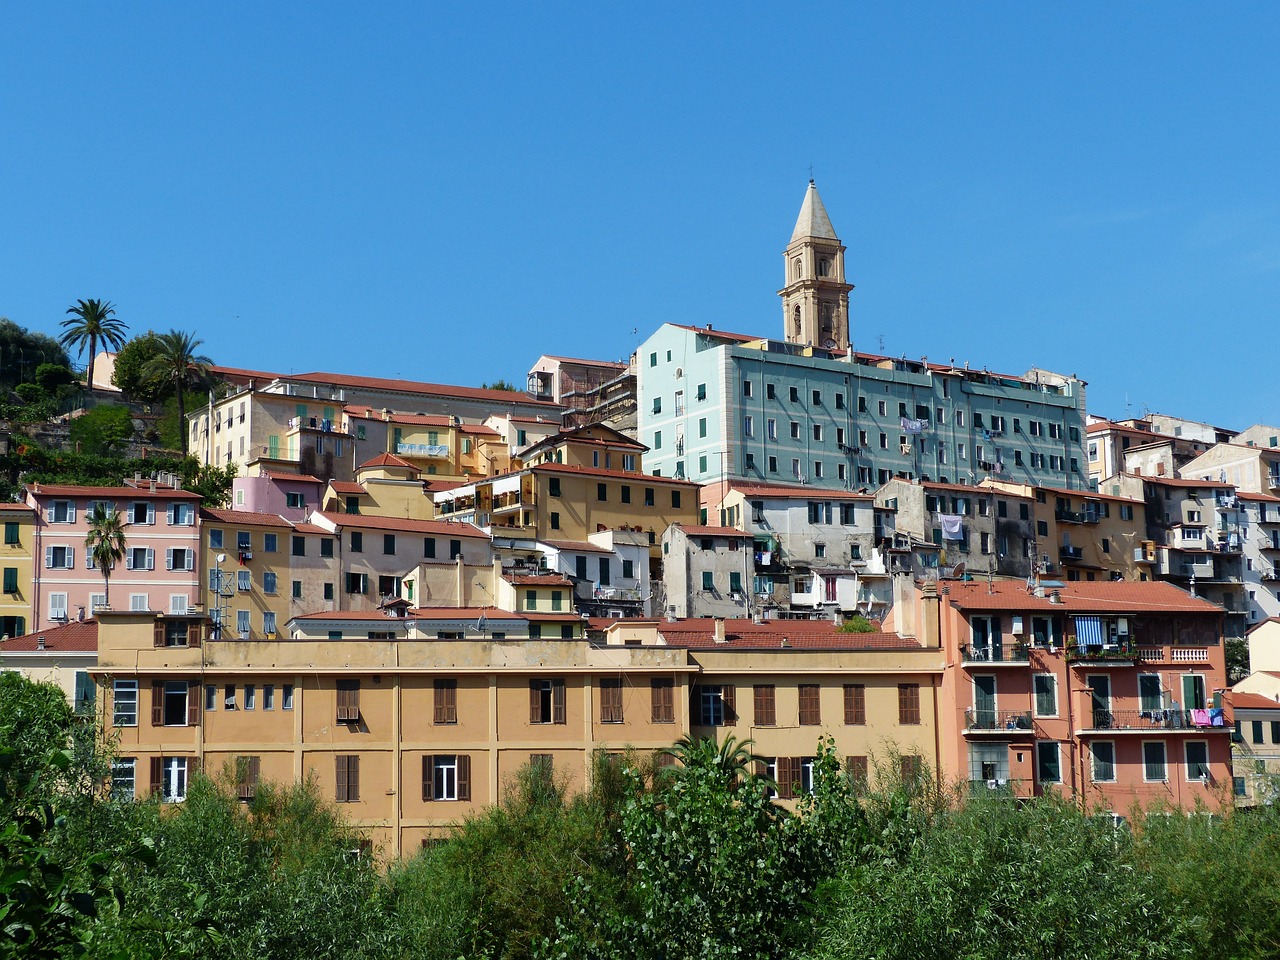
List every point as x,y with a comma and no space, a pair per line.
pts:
1106,692
293,496
160,570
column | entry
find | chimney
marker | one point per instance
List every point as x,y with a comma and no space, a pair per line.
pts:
719,630
40,643
1055,596
930,634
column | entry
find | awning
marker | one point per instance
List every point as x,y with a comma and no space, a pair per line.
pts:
1088,631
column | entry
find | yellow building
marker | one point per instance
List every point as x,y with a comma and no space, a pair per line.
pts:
1083,535
385,486
412,719
437,446
249,585
16,551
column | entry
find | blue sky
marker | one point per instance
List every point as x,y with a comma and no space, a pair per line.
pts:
444,192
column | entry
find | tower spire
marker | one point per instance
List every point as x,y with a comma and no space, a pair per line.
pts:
815,297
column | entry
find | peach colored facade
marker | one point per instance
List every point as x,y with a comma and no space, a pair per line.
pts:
161,570
1106,693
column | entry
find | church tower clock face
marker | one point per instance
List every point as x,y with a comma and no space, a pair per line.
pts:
816,296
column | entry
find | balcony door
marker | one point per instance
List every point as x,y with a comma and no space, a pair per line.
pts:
984,701
1100,693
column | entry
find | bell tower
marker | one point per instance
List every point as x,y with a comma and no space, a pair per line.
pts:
815,299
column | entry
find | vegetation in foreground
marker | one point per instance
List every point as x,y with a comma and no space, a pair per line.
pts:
683,861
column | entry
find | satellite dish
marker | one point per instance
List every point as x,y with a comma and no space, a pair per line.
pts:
957,572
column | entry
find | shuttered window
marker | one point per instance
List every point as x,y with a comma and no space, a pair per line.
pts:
248,769
910,769
611,701
855,704
348,701
858,769
446,701
546,701
810,705
766,713
908,703
788,777
662,696
446,777
347,774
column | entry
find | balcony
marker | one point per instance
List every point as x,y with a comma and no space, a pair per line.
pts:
1162,719
1003,722
427,451
1107,655
1077,516
1069,554
1270,543
999,654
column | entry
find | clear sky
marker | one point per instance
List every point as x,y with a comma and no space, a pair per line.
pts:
445,191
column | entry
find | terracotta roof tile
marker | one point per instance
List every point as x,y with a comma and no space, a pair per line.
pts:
80,636
540,580
616,474
498,397
798,634
574,546
418,419
695,531
589,363
448,528
294,477
125,493
1252,701
1078,596
17,508
389,460
795,491
345,486
245,517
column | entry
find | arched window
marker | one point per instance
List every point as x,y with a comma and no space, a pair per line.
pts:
795,320
799,272
824,267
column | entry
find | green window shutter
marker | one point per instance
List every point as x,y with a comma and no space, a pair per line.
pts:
10,579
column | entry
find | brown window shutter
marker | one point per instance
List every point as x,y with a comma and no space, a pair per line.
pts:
157,704
729,697
157,635
193,703
464,776
535,701
348,701
785,778
764,704
428,778
353,778
195,629
446,701
557,701
855,704
908,703
662,693
157,775
810,705
610,701
193,767
858,768
340,776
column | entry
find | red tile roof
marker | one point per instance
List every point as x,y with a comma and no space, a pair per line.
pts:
1090,495
389,460
541,580
444,528
245,517
1078,596
794,491
17,508
498,397
589,363
740,634
1178,481
1252,701
311,528
967,489
575,546
125,493
80,636
238,373
345,486
694,531
707,331
419,419
298,477
616,474
478,428
463,613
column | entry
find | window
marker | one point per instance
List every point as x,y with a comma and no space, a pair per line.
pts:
455,549
1048,765
908,703
793,394
174,703
715,705
348,700
388,544
11,534
446,777
347,777
1257,731
546,699
1150,695
124,778
229,697
611,700
269,696
795,430
299,547
1046,694
662,700
286,697
356,583
328,591
817,398
244,580
1197,753
766,714
124,701
602,492
855,704
250,696
64,558
10,579
817,432
746,388
357,542
446,701
268,582
170,775
708,581
210,697
248,771
810,705
1102,757
1154,768
675,498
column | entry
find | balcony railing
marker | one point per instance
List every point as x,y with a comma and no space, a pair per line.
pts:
1015,653
1157,719
998,720
1066,554
433,451
1107,653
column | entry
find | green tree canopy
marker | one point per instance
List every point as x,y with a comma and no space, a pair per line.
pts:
178,363
132,365
22,352
103,430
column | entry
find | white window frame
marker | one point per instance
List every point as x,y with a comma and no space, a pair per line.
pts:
97,601
444,777
1057,747
124,778
174,780
139,602
250,696
1186,761
178,604
1035,696
58,606
129,688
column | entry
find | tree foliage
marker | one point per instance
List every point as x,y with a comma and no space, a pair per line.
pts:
102,430
92,323
134,372
22,352
177,363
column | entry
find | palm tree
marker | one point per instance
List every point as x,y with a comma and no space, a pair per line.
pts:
105,542
731,760
91,321
176,360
